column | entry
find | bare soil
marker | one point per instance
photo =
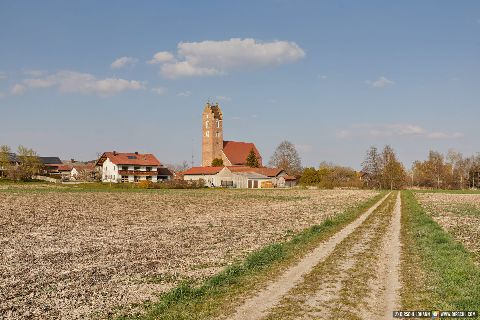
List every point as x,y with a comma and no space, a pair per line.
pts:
80,255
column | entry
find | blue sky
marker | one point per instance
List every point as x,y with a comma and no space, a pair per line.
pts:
333,77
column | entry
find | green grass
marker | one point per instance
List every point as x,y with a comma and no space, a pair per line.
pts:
437,271
217,294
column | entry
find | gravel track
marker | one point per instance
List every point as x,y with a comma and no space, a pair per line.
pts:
322,283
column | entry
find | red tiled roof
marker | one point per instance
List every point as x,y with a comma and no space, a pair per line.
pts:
237,152
64,167
146,159
269,172
84,166
289,178
202,170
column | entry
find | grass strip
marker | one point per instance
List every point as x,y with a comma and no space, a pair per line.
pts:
217,295
438,273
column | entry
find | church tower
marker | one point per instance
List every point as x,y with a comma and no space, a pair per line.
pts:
212,131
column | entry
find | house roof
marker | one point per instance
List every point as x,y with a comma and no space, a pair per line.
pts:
269,172
50,160
13,157
289,178
202,170
164,171
252,175
84,166
120,158
237,152
64,167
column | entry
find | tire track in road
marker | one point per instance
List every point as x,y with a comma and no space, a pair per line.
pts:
258,306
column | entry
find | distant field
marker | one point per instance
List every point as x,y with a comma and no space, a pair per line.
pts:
457,213
76,255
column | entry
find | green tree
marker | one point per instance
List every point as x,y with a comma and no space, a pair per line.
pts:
252,160
310,177
217,162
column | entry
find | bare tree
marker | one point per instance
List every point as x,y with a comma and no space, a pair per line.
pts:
286,157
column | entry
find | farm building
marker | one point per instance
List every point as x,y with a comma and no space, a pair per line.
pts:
131,167
239,177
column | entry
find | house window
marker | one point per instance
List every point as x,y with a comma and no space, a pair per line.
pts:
124,178
124,168
149,168
136,178
149,178
136,168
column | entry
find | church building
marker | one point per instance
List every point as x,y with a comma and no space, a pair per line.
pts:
233,153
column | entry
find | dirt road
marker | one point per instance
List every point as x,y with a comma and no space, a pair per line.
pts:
353,275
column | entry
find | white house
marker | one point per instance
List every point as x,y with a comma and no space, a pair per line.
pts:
130,167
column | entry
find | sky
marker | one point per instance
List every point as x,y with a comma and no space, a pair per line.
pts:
78,78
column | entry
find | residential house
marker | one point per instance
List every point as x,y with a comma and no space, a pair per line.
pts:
130,167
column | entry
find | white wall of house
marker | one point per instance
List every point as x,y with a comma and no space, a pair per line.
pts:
111,172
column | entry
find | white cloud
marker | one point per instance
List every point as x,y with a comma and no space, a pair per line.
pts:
394,130
208,58
442,135
161,57
159,90
184,94
85,83
322,76
123,62
34,73
381,82
40,82
18,89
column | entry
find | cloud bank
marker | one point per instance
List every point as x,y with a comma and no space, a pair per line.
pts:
209,58
84,83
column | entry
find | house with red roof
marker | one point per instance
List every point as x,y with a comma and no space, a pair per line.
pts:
233,153
131,167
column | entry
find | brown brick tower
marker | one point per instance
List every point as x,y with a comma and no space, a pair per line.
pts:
212,132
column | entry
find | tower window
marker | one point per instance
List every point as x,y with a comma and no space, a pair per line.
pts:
218,123
206,124
207,134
